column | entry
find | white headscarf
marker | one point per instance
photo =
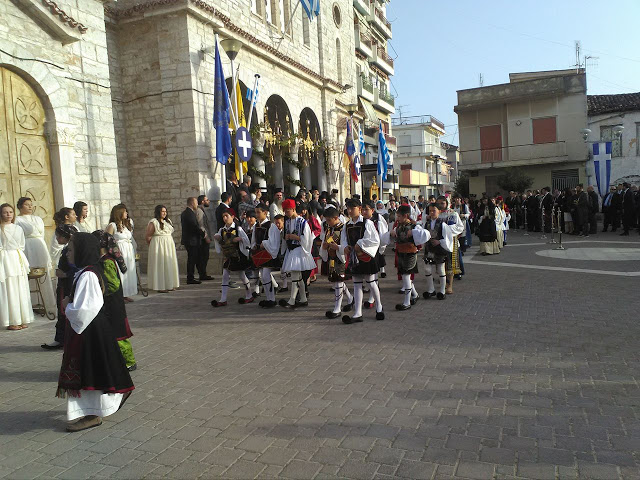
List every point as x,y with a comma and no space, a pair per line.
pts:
381,211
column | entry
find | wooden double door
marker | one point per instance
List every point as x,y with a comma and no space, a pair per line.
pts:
25,169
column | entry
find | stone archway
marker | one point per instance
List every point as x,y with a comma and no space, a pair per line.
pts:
278,123
313,172
25,167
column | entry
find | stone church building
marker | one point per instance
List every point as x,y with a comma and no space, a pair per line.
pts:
110,101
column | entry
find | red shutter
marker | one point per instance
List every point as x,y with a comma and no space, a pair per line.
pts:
544,130
491,143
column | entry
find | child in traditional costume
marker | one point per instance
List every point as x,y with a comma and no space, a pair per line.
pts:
436,251
113,264
64,274
252,272
452,219
297,245
408,237
359,243
93,376
234,244
369,212
334,259
265,247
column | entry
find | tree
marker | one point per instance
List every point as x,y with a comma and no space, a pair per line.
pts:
514,179
462,184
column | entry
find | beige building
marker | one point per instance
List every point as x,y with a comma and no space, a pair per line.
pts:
421,158
533,123
112,101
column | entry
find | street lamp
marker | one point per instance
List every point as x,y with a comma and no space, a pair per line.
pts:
232,47
585,132
617,130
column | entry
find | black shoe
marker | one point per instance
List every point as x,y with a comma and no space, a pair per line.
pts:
624,234
270,304
428,295
413,301
216,304
383,275
349,320
193,282
330,314
348,307
604,230
133,367
262,302
284,304
52,347
255,295
302,304
243,301
380,316
458,276
282,290
206,278
401,291
440,296
369,305
402,306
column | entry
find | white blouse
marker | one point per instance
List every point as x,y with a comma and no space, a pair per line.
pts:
87,301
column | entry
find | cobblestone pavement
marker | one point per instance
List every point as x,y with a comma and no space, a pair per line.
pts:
522,373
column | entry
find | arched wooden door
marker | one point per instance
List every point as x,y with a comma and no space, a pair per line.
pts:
25,170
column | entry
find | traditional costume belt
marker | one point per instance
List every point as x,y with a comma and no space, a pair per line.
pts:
291,245
34,236
406,248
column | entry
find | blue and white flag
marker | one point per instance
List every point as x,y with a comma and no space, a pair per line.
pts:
363,150
253,96
602,164
311,8
221,112
383,155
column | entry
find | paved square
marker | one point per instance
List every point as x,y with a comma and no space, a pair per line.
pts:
527,371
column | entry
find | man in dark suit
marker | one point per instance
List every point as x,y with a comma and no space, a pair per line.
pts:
608,210
546,204
532,206
628,209
192,237
594,207
225,204
582,211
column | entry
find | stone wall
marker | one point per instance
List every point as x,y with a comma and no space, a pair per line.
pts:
75,90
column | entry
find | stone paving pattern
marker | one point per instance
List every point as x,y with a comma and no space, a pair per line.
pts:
519,374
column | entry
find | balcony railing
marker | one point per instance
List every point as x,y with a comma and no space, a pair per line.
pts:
382,18
387,97
382,54
367,84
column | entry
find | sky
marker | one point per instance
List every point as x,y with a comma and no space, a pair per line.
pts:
444,46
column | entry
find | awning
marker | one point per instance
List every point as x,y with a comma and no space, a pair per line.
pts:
369,112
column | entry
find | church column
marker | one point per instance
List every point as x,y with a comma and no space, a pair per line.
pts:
322,175
62,156
306,176
293,170
258,161
278,177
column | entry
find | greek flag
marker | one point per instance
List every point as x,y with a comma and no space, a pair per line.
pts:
363,150
253,96
311,8
602,165
383,155
221,112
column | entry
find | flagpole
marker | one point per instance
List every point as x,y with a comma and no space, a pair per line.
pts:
236,78
254,99
223,169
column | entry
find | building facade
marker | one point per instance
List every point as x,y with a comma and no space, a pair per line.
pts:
421,158
606,112
533,123
112,101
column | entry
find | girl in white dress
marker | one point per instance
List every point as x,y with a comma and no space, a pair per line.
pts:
37,252
15,297
162,268
120,227
81,210
65,216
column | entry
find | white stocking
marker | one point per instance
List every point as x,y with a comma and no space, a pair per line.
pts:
273,281
406,287
267,283
357,295
285,279
338,289
372,280
247,284
430,287
347,294
225,285
443,277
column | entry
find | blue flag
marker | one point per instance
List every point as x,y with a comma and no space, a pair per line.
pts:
221,113
383,155
602,165
311,8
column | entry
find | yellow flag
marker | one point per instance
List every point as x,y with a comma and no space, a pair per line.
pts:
242,123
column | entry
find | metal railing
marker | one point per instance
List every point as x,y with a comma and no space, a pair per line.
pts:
382,54
367,84
382,18
387,97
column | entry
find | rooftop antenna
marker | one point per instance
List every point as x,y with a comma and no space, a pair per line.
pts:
593,64
578,64
400,108
481,80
